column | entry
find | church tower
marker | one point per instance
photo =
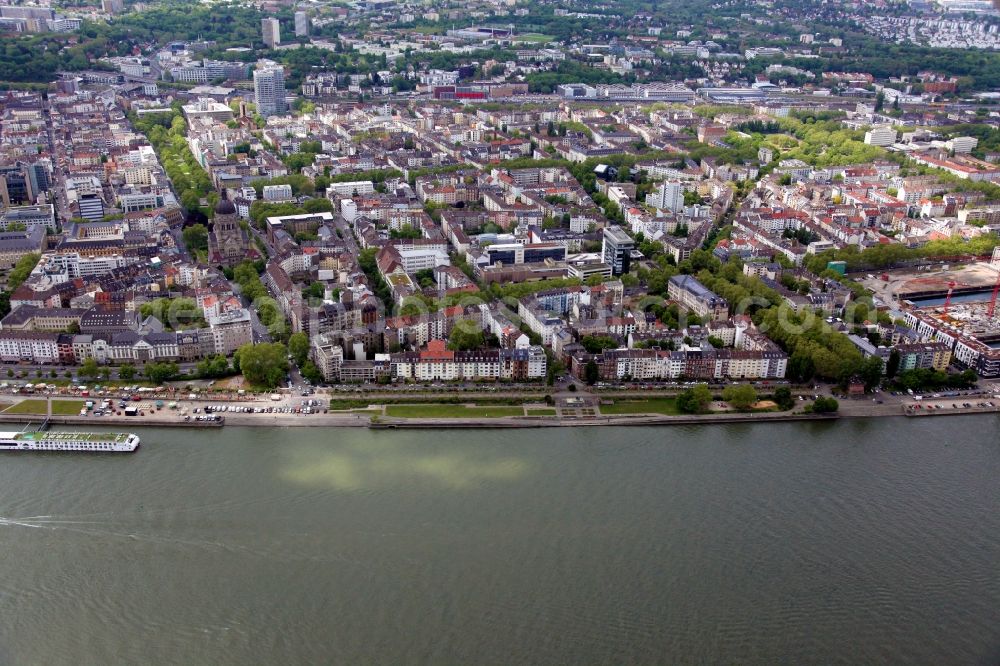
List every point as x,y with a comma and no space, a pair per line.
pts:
227,243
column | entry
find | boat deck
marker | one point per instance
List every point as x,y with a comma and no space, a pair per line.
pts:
113,437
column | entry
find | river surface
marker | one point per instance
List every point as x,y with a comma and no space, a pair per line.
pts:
856,542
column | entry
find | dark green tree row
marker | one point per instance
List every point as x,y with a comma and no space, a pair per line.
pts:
889,254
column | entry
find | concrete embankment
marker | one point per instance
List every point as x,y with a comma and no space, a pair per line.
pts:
377,420
542,422
952,412
120,423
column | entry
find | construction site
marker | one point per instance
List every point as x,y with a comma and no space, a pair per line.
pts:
949,302
960,290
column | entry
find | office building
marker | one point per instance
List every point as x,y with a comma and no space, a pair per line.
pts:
301,24
617,250
206,70
271,31
881,135
269,90
512,254
91,207
29,217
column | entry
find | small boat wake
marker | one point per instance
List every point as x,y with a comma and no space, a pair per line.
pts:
92,528
104,530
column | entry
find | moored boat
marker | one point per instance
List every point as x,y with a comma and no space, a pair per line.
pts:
84,442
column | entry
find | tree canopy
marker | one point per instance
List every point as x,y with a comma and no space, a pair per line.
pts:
298,347
263,364
694,400
466,336
740,396
22,269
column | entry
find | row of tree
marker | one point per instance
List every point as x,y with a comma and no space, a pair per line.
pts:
167,132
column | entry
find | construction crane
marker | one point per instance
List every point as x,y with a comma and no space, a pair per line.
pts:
993,300
947,299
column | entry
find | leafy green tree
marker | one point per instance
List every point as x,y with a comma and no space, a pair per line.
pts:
425,278
190,199
311,372
783,398
871,372
88,368
892,365
161,372
298,347
466,336
740,396
315,290
801,367
928,379
591,373
554,367
174,313
246,276
263,364
406,231
694,400
213,367
824,405
595,344
22,269
195,237
126,372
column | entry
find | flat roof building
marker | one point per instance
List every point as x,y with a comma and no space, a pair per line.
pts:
617,250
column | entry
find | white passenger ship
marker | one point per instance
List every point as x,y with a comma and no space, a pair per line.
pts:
88,442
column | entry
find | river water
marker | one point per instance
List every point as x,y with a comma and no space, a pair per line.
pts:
850,542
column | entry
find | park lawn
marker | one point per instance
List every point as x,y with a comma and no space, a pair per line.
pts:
666,406
37,407
350,405
543,411
440,411
428,30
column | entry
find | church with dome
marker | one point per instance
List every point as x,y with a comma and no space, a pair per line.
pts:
228,243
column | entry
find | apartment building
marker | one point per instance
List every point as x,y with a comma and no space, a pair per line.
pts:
230,331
